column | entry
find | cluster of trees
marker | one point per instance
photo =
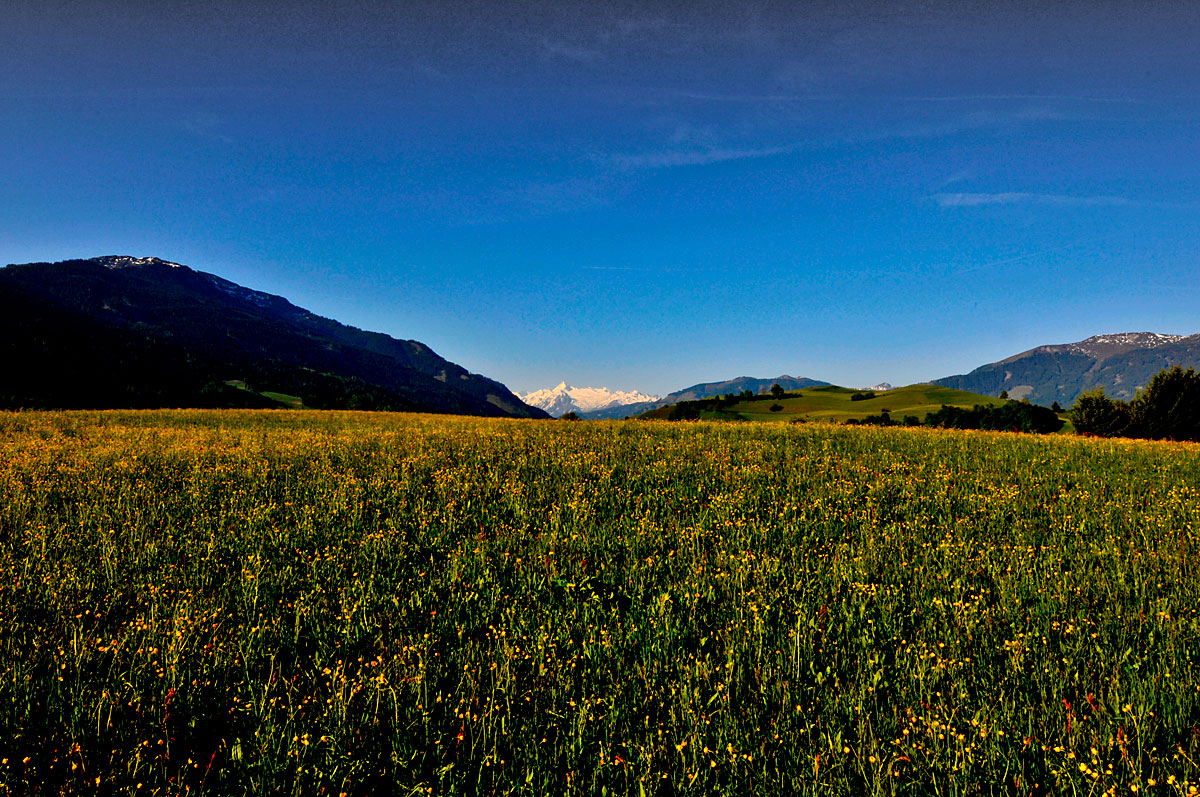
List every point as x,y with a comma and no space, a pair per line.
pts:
1168,408
884,419
863,396
690,410
1015,416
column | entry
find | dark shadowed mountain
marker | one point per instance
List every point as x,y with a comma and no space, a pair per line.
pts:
1120,363
142,332
707,390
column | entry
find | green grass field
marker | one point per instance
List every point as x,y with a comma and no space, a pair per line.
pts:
294,402
258,602
833,404
284,400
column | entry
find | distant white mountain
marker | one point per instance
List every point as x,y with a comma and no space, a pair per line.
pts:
882,387
563,398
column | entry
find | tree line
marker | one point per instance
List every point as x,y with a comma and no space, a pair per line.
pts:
1015,416
1167,408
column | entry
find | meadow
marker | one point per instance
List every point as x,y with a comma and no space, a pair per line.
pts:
833,404
293,602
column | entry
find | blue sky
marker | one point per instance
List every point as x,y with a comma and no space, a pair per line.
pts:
635,195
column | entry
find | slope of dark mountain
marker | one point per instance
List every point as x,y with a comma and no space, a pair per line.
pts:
706,390
142,332
710,389
1120,363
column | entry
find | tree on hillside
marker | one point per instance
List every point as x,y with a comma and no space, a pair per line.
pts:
1169,406
776,390
1097,414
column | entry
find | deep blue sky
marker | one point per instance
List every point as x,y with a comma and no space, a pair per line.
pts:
638,195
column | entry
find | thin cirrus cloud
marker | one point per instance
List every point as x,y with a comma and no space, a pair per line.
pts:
664,160
1019,98
554,48
967,200
750,98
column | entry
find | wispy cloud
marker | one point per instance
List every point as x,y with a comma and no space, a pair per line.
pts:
750,99
705,152
649,269
572,52
965,200
1038,254
204,125
954,177
1018,98
702,157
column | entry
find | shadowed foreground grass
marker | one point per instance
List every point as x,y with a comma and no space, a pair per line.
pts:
306,603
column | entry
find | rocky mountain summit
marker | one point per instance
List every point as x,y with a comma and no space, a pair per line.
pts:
1121,363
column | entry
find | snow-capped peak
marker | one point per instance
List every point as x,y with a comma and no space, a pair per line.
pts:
1099,347
1114,343
564,398
125,261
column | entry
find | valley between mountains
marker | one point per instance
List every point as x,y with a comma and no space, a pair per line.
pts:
140,332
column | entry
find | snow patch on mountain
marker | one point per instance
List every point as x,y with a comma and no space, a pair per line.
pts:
564,398
125,261
1100,346
245,294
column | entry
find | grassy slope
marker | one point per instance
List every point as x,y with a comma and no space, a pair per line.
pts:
295,402
284,400
833,404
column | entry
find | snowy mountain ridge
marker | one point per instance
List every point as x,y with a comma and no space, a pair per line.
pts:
564,398
126,261
1101,346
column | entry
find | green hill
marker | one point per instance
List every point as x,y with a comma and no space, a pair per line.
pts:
836,404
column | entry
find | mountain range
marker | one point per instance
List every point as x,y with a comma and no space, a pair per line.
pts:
1120,363
122,331
561,399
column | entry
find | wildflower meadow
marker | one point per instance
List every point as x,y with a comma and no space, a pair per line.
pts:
275,602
